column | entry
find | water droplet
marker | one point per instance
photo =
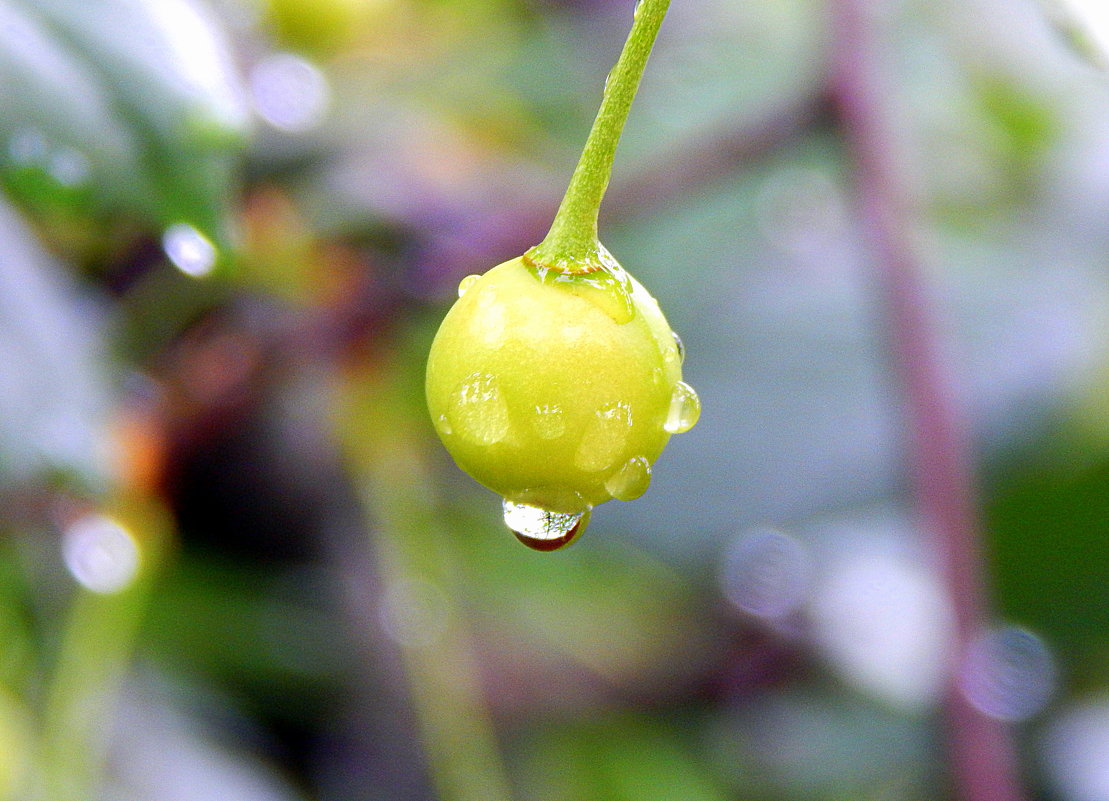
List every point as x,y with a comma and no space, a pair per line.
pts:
100,553
604,438
68,167
190,251
635,11
680,346
289,93
490,316
608,288
631,480
477,411
767,574
880,618
444,425
549,422
542,529
685,409
1008,674
1076,749
466,283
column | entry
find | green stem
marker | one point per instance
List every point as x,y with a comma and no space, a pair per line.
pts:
96,651
572,244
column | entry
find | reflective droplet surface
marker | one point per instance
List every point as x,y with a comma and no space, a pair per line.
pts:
767,573
101,554
1008,674
466,283
68,167
609,289
289,92
631,480
680,346
685,409
190,251
548,421
477,411
604,438
542,529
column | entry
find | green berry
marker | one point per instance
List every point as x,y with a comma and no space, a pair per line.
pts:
557,390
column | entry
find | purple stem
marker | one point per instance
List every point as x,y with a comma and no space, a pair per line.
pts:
982,760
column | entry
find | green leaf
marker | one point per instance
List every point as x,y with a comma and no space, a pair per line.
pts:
55,118
135,100
53,395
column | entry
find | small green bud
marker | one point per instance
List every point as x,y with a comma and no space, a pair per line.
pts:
557,390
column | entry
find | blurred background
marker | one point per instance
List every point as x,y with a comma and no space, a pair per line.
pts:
236,564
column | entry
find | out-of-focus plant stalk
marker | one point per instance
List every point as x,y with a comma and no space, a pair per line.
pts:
983,765
416,564
95,653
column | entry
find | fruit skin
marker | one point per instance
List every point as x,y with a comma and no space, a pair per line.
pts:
544,385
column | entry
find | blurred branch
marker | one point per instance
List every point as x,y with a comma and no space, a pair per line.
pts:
421,584
712,155
95,654
982,760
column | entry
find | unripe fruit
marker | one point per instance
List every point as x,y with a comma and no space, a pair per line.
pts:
557,390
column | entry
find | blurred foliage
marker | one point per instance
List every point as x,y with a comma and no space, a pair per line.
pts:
323,606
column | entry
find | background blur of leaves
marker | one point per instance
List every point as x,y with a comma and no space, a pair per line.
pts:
227,233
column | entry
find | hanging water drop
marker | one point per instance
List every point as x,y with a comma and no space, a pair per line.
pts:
102,555
685,409
466,283
190,251
549,422
542,529
68,167
478,411
604,438
631,480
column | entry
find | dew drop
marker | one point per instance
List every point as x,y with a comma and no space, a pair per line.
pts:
767,574
466,283
444,425
289,92
101,554
604,438
542,529
685,409
190,251
548,421
68,167
609,289
477,411
638,5
631,480
490,316
680,347
1008,673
